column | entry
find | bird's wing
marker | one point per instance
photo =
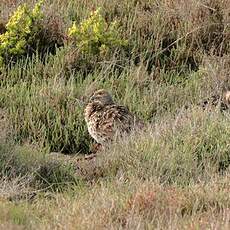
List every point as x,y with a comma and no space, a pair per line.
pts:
116,118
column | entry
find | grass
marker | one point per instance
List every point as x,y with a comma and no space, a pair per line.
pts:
173,175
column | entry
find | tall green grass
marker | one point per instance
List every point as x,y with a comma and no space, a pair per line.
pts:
158,72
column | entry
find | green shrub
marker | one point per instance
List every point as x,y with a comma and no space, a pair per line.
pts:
95,36
49,115
20,31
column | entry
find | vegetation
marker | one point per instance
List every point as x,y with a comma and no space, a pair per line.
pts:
95,36
159,58
20,32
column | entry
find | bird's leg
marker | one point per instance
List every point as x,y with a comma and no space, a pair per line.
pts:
96,148
93,153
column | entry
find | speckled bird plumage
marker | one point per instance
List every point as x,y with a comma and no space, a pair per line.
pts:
105,119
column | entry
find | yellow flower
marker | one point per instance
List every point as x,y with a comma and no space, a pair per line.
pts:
36,12
94,35
21,29
73,30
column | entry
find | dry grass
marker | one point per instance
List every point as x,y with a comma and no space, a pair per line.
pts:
173,175
136,205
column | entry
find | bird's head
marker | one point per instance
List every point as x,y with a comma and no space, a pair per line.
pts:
101,96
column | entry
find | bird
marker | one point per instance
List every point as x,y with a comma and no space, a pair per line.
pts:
106,120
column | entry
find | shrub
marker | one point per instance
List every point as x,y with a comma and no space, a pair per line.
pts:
20,31
49,115
95,36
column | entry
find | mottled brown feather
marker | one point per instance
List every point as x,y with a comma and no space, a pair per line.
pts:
105,119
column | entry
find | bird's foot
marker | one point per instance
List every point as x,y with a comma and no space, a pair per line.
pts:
96,148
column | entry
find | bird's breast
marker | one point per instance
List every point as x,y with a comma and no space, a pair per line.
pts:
91,109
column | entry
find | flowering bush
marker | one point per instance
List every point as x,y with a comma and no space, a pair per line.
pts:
20,31
95,36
